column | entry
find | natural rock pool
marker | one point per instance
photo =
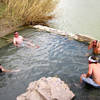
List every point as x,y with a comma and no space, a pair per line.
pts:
57,56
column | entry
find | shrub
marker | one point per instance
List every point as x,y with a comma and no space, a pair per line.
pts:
31,11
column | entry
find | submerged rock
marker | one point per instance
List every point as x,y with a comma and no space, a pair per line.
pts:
50,88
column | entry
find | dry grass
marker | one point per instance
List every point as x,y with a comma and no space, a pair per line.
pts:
31,11
2,9
4,1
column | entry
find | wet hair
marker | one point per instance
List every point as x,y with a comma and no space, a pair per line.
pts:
92,59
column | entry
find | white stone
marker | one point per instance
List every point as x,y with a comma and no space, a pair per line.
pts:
50,88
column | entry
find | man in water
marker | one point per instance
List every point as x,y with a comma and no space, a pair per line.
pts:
18,41
95,45
93,70
2,69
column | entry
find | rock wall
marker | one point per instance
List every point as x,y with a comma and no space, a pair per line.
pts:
78,37
50,88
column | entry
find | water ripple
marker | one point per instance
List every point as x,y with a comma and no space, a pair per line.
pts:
57,56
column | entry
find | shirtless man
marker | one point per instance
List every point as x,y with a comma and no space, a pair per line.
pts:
2,69
95,45
18,41
93,70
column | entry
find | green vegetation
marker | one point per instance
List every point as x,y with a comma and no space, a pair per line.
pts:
30,11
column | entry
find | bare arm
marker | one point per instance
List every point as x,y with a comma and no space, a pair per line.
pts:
90,46
14,42
99,44
5,70
89,73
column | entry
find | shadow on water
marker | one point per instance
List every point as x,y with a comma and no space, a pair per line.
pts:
57,56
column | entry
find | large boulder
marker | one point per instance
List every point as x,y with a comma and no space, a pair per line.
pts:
50,88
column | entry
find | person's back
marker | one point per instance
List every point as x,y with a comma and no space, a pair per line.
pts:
92,77
96,72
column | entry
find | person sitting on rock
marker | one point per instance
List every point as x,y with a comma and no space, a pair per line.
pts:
93,71
20,41
95,45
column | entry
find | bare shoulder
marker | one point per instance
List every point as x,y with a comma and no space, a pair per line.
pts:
95,65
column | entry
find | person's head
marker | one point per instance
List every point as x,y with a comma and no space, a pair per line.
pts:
95,43
92,59
16,34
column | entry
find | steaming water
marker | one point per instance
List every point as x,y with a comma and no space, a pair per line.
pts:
57,56
79,16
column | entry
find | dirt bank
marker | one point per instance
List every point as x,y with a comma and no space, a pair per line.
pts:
6,30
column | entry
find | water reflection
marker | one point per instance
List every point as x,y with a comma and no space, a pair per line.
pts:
4,79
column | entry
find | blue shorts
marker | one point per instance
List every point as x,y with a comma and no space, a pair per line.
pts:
90,82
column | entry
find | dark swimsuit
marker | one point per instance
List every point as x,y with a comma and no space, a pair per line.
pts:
0,70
